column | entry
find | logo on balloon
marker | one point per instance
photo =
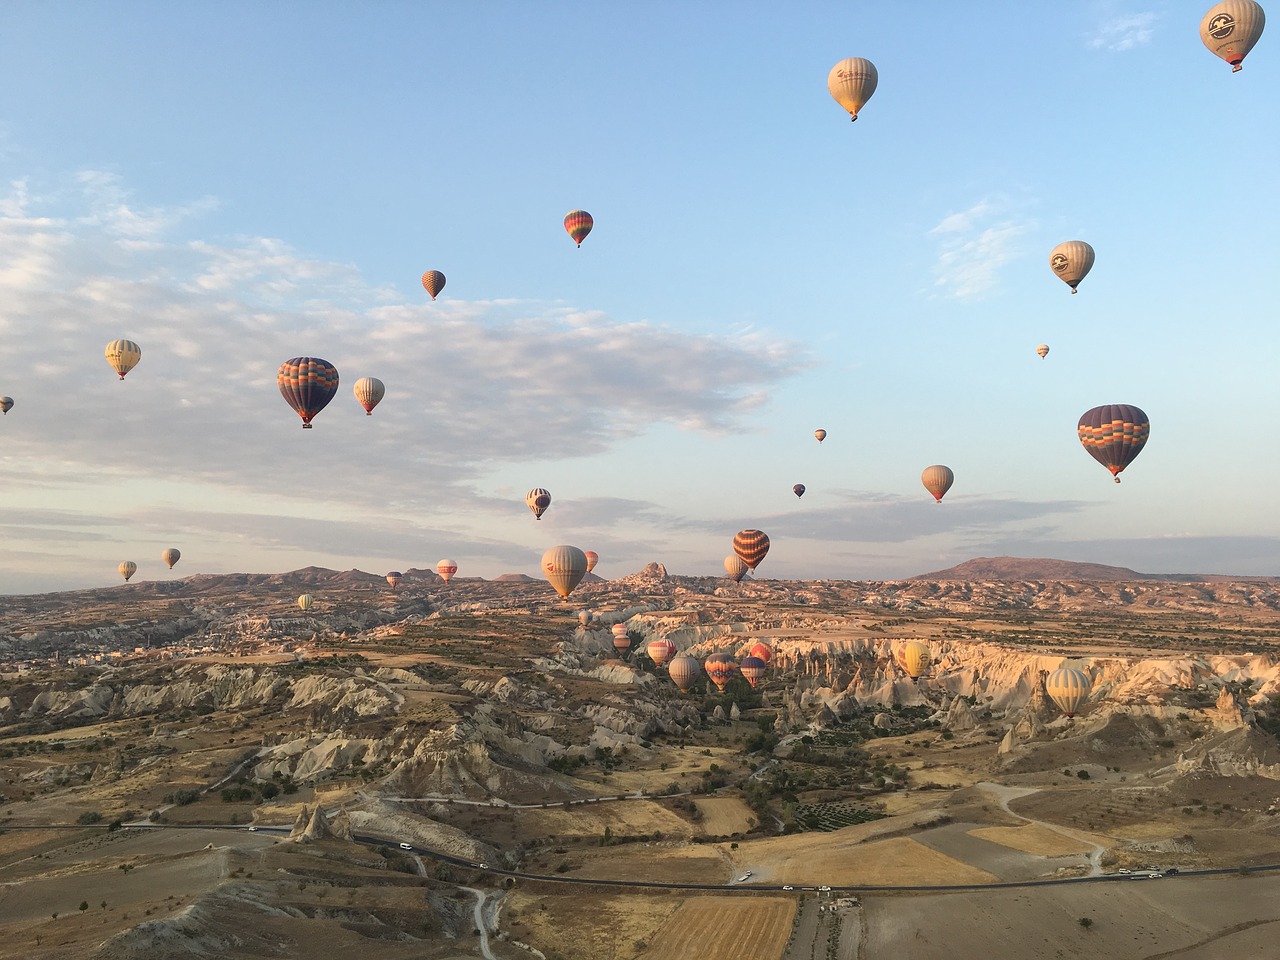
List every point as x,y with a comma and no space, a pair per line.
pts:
1220,27
1059,262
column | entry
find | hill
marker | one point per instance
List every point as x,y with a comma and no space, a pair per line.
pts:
1042,568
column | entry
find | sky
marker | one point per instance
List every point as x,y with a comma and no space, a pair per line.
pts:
231,185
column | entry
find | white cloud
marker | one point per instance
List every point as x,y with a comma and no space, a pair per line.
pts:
1119,32
974,245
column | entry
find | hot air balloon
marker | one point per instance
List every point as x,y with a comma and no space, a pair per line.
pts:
127,568
1069,688
446,569
762,650
751,546
537,500
621,642
369,391
1071,261
1230,29
564,567
798,490
592,559
433,282
6,404
579,224
753,670
820,435
937,479
305,601
394,578
852,82
684,671
1114,434
171,556
735,568
307,384
914,658
584,617
660,650
720,668
1043,350
123,355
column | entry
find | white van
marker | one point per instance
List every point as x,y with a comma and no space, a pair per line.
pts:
406,846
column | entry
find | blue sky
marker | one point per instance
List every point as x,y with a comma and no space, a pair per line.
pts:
232,185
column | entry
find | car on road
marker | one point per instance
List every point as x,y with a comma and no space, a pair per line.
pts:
406,846
1172,871
1125,871
483,866
788,887
253,829
1154,876
824,889
745,877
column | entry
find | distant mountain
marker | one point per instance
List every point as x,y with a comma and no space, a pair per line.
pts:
1037,568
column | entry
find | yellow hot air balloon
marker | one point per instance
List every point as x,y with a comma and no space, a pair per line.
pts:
446,569
852,82
735,567
1069,688
1230,29
305,601
1071,260
433,282
171,556
369,391
820,435
564,567
937,479
123,355
127,568
1043,350
914,658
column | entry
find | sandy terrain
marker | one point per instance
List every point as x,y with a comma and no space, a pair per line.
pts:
1033,838
589,925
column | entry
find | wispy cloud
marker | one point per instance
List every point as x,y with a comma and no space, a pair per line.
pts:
1119,32
974,245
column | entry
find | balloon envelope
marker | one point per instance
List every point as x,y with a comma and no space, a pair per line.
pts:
720,668
798,490
915,659
762,650
1114,434
852,82
735,568
937,479
660,650
564,567
1230,29
537,500
369,391
592,559
6,404
127,568
394,578
579,224
123,355
1043,350
684,671
1071,261
305,601
820,434
446,569
433,282
753,670
1069,688
171,556
307,384
751,546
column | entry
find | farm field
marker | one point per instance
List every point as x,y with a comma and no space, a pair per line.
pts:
726,928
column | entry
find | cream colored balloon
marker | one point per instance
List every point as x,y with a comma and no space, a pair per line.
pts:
1231,28
446,569
1043,350
735,567
127,568
852,82
305,601
123,355
1069,688
937,479
369,391
564,567
1071,261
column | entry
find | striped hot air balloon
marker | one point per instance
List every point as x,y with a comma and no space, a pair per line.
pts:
307,384
369,391
660,650
937,479
735,568
537,500
123,355
720,668
753,670
305,601
564,567
1069,688
446,569
751,546
1114,434
127,568
1043,350
394,578
621,641
592,559
1071,260
171,556
762,650
579,224
433,283
684,672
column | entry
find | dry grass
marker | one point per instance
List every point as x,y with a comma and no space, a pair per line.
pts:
726,928
1033,838
837,860
723,816
582,925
